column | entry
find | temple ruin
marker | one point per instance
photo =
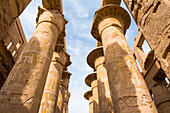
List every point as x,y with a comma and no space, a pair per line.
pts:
34,76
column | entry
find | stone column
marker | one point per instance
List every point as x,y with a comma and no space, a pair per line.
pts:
161,98
96,60
66,100
91,81
128,88
88,96
52,86
63,87
23,88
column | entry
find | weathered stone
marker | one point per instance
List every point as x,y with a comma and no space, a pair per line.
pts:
23,87
9,11
161,98
91,81
53,4
52,86
152,18
95,59
88,96
107,2
128,89
60,102
66,101
112,11
63,88
6,55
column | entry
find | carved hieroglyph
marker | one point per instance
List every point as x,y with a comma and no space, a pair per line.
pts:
63,88
130,93
66,101
52,85
23,88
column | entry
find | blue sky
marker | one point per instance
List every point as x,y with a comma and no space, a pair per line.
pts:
79,43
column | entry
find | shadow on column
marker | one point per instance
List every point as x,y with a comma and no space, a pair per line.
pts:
126,82
108,107
23,83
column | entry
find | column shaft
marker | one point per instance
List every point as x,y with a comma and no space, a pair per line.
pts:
52,86
91,104
105,102
66,100
24,86
95,96
60,102
130,93
162,98
65,108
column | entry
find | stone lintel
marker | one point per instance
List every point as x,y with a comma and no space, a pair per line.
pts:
149,60
66,74
107,2
154,75
88,94
53,4
18,6
110,11
93,55
52,16
90,78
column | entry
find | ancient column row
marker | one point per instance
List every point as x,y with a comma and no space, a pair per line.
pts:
102,97
56,96
23,89
56,83
128,89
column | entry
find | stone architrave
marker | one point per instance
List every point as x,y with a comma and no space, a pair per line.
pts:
91,81
96,60
128,88
63,88
88,96
50,95
53,4
24,86
66,101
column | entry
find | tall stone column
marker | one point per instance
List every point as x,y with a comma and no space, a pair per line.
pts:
128,88
88,96
63,87
23,88
66,100
96,60
161,98
91,81
50,95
